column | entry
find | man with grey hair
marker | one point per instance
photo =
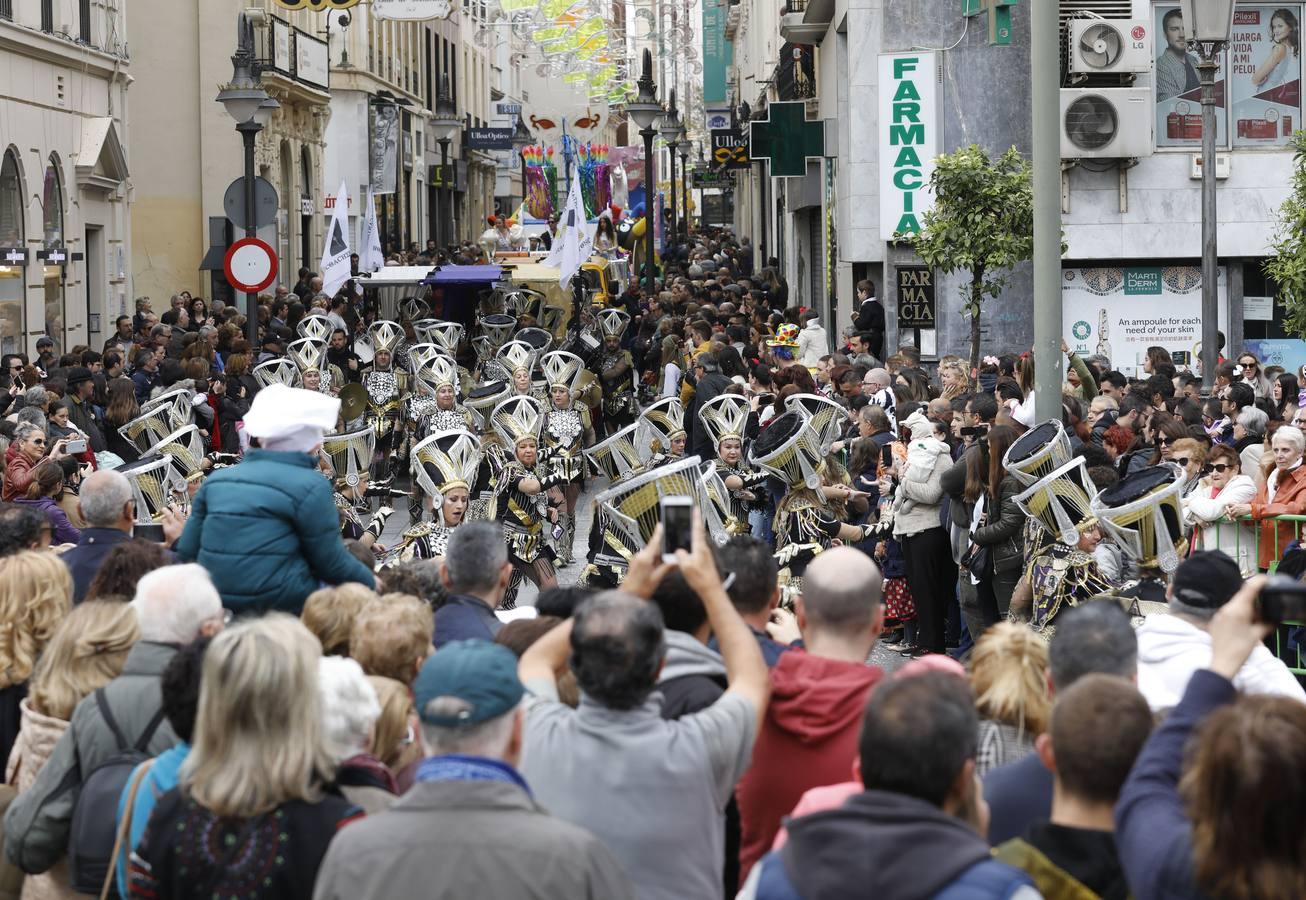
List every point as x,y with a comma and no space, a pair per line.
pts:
667,825
106,503
476,573
469,815
809,735
174,606
1171,648
876,388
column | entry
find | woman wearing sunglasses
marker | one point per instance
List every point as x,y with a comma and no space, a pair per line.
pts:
1249,372
1206,509
27,449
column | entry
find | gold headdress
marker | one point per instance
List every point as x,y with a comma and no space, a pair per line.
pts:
437,371
496,329
659,425
386,336
277,371
350,455
308,355
414,308
446,460
1062,502
516,355
317,328
724,416
612,322
825,416
178,404
152,480
445,335
517,419
148,428
563,369
420,354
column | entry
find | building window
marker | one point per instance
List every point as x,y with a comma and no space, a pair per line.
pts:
11,235
306,203
7,9
52,224
47,15
84,20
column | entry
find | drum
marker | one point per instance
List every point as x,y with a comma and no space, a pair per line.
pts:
349,454
1144,514
149,428
445,335
1038,452
827,416
657,425
484,398
277,371
179,406
497,329
316,328
445,460
539,340
1062,501
185,447
153,481
632,509
616,456
790,450
716,509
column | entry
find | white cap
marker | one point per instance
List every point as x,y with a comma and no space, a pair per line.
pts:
286,418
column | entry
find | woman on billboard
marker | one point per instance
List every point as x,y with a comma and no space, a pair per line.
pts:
1283,35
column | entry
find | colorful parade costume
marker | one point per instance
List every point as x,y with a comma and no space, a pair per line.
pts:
349,456
564,435
615,371
386,387
725,418
442,462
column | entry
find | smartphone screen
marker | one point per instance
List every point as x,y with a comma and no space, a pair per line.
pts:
677,525
148,532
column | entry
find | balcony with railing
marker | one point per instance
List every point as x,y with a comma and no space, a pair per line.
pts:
798,25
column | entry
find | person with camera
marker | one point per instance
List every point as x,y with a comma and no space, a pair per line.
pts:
1212,808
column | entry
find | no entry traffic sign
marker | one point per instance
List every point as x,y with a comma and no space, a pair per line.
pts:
250,265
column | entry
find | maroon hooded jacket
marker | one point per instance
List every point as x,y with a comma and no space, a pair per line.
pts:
809,739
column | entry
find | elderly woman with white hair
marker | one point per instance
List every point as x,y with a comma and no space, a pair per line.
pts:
1249,439
350,709
267,529
1282,494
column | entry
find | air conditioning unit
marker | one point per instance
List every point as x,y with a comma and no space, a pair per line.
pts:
1110,46
1112,123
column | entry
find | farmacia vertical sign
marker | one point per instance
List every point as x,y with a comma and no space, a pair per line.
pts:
909,139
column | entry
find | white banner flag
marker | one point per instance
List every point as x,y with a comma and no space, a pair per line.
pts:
573,244
370,258
335,251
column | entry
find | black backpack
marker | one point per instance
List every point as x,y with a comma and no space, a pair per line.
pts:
94,828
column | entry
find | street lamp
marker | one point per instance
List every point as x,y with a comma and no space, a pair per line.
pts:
1208,24
684,175
444,126
245,101
644,111
670,131
521,139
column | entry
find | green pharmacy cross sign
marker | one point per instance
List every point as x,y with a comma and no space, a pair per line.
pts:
999,16
788,139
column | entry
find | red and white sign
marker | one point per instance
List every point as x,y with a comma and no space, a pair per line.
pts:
250,265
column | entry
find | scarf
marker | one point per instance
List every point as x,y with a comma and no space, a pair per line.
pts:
457,767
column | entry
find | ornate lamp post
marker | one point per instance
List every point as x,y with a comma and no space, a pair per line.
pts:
670,130
444,126
644,111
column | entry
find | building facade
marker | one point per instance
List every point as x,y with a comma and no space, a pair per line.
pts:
65,187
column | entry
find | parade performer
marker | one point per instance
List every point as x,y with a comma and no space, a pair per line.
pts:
805,522
387,387
726,417
567,431
348,456
518,359
660,436
615,372
617,458
522,491
444,465
315,373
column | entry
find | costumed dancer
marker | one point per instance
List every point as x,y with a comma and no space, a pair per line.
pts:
615,372
444,465
1143,514
617,458
315,373
496,330
805,522
518,359
567,431
387,387
432,407
494,453
348,456
726,418
448,338
523,505
660,437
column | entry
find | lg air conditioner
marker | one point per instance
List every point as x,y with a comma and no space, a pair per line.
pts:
1106,123
1109,46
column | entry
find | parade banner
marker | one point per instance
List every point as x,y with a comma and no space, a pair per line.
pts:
335,249
1120,312
384,148
909,140
370,257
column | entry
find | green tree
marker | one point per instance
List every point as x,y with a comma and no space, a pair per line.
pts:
982,222
1287,264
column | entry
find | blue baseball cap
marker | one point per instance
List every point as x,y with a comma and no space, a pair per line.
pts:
481,674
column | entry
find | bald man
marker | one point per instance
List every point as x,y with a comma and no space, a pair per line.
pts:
809,737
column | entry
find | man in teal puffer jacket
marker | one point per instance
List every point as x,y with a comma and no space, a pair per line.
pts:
267,529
